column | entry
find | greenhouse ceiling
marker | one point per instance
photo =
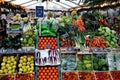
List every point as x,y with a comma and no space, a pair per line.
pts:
48,5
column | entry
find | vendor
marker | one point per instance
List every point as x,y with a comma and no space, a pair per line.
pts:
3,26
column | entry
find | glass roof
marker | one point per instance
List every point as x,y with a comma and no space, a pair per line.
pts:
52,5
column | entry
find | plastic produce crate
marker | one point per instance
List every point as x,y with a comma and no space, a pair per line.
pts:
103,75
25,63
70,76
48,73
7,77
8,63
47,42
87,75
27,76
84,62
100,62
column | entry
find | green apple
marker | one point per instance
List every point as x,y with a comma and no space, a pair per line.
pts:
9,72
25,70
3,64
7,65
25,56
20,69
32,68
13,71
28,63
21,57
3,67
14,67
9,68
32,64
23,67
24,64
1,71
5,71
25,60
4,60
8,61
14,62
19,65
29,59
19,72
21,61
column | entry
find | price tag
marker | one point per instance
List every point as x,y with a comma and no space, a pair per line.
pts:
114,64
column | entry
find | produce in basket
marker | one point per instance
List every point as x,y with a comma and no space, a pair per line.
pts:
86,76
96,41
79,23
69,75
28,76
68,62
103,76
47,42
48,73
85,63
109,35
7,77
100,62
26,64
29,38
8,65
115,75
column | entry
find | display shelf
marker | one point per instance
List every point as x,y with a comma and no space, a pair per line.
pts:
84,53
22,50
7,76
68,52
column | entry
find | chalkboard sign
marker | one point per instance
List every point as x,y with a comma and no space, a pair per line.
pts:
39,11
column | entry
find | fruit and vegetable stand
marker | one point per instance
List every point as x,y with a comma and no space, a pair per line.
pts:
77,46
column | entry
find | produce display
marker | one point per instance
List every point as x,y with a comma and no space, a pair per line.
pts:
96,41
109,35
115,75
28,76
48,73
68,62
7,77
69,75
26,64
8,65
65,43
79,23
47,57
17,19
47,43
84,63
12,42
103,76
87,75
48,28
113,61
100,62
29,38
15,26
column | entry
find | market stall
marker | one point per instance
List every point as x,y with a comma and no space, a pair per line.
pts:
71,40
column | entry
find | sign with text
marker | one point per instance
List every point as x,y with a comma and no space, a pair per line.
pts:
39,11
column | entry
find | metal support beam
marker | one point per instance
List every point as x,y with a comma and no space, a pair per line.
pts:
26,2
74,3
59,4
65,4
31,4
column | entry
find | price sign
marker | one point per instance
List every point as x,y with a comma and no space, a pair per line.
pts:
39,11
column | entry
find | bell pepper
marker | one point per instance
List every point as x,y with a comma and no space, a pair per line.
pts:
48,33
44,27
